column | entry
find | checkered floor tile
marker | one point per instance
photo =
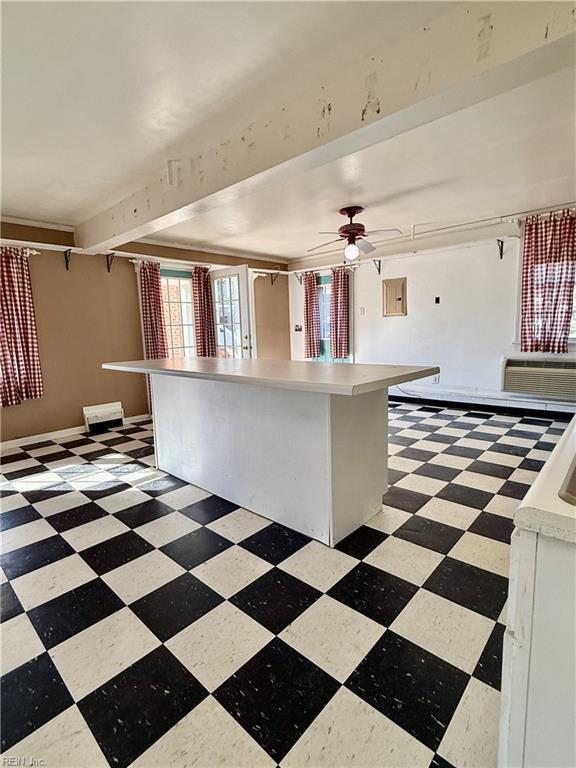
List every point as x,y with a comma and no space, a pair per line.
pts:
147,623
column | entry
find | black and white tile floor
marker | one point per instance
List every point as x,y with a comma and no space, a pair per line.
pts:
147,623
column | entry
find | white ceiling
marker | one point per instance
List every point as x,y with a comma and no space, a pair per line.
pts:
512,153
96,94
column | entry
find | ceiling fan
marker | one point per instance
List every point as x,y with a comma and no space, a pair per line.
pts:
354,233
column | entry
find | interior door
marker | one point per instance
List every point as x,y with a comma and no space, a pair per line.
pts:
270,316
231,311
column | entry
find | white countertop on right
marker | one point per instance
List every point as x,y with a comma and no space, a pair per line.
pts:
542,510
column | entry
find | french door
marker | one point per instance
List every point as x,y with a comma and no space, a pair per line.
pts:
232,311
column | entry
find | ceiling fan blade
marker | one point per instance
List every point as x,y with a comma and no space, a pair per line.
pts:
332,250
328,233
381,231
323,245
365,246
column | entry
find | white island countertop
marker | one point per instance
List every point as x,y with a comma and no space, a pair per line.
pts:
542,510
328,378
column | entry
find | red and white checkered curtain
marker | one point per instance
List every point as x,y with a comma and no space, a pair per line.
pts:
203,312
311,316
20,371
155,344
548,273
340,313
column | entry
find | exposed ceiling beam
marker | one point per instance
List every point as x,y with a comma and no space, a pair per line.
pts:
471,53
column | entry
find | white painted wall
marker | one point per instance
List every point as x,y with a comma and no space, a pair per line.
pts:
468,334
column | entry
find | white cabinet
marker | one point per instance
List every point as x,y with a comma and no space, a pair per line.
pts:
538,714
539,676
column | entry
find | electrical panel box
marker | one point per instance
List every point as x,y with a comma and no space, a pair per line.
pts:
394,297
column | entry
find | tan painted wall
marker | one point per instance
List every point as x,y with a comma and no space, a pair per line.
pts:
85,317
272,315
31,234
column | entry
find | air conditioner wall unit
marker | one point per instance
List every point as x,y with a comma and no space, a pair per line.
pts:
100,418
547,378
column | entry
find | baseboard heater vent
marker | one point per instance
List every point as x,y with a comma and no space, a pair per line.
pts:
100,418
548,378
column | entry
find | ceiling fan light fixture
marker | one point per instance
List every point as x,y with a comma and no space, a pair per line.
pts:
354,234
351,252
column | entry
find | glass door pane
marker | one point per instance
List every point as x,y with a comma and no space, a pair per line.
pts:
231,312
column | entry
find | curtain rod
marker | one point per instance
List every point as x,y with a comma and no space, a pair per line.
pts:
351,266
26,251
287,272
264,272
137,259
548,210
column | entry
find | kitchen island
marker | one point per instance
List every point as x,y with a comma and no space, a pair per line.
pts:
304,444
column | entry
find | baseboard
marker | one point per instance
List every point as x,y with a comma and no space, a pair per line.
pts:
62,433
484,407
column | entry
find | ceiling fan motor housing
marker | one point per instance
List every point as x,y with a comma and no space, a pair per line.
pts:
352,231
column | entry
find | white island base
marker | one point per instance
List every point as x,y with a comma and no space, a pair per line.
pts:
313,462
302,444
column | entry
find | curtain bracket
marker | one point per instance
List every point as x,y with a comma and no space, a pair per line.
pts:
378,265
500,244
274,277
299,277
67,257
109,261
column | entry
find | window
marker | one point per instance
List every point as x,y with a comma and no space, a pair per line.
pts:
178,312
541,275
227,310
547,318
324,288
